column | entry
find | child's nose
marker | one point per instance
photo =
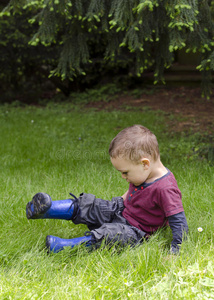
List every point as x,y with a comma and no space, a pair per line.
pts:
123,176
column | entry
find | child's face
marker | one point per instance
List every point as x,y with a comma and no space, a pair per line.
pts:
133,173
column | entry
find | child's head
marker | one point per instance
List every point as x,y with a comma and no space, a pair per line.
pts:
134,143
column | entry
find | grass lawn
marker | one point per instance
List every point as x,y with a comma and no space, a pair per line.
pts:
63,148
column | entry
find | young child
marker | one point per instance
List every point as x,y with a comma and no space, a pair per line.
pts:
152,201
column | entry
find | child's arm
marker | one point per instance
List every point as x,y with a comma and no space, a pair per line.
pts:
124,196
179,227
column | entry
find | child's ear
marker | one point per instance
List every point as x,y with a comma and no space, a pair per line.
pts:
145,162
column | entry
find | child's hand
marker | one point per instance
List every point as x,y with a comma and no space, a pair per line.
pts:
124,196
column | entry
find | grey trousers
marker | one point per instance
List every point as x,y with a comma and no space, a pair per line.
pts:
105,221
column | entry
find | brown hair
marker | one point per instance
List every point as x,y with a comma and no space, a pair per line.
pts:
133,143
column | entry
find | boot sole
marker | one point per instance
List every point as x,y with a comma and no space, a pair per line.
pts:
40,203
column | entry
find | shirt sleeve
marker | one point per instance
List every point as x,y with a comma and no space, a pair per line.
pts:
179,227
170,201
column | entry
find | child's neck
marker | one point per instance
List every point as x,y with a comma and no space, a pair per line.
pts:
157,170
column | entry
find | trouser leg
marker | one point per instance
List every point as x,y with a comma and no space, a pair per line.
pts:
94,212
118,233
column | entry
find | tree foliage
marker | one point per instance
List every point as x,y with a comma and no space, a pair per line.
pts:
21,65
151,30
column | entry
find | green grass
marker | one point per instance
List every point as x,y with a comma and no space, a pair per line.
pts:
64,148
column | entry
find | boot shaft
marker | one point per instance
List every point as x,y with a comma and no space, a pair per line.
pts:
42,207
60,209
55,244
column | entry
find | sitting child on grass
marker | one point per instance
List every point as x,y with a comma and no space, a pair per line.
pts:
152,201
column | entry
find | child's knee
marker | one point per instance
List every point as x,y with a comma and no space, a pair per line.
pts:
114,233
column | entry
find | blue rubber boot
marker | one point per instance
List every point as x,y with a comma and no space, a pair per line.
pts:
56,244
42,207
